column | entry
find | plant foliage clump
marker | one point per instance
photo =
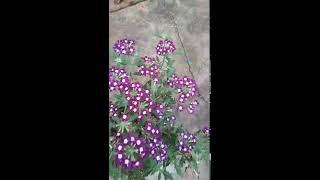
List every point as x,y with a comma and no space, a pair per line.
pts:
146,94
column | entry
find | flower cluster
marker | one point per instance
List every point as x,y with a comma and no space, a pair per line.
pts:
149,111
138,98
169,119
140,102
117,78
187,91
124,46
187,142
206,131
165,47
158,150
151,70
149,59
152,129
113,110
130,152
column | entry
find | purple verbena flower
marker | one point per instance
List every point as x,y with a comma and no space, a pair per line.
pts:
186,89
130,152
187,142
124,46
164,47
206,131
118,79
157,149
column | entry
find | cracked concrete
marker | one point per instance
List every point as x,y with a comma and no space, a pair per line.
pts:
187,23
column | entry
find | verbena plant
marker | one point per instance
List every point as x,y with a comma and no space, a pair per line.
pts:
146,94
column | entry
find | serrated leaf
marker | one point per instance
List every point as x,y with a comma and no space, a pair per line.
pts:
133,117
118,60
167,175
148,166
178,169
159,176
114,55
170,72
120,101
155,169
194,164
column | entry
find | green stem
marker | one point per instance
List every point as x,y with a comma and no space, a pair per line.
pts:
162,62
125,109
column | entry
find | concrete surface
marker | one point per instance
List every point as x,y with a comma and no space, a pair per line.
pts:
185,20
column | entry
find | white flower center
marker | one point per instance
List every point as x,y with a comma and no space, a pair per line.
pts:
119,156
138,142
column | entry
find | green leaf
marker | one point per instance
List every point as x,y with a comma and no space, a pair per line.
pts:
143,105
133,117
159,176
160,35
178,168
118,60
121,61
120,101
167,175
194,164
170,72
138,61
114,55
156,168
114,171
148,166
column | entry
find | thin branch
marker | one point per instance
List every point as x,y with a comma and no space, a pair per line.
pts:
125,5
